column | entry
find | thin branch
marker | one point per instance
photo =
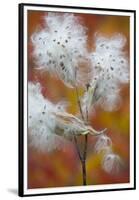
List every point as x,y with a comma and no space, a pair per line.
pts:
79,103
85,147
85,150
77,148
87,87
82,158
84,172
83,161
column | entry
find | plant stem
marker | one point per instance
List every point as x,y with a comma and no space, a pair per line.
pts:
86,140
82,158
77,148
79,103
84,161
84,171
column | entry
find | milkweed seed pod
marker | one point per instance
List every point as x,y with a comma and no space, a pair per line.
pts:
60,48
110,70
50,126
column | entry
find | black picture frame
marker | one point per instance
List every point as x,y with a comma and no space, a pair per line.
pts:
21,141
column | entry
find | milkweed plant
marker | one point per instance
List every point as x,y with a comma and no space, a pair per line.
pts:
60,48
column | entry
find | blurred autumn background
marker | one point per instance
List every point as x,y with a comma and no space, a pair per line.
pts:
63,168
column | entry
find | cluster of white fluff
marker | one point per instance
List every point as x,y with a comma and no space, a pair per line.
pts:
111,162
109,71
103,143
60,47
41,121
49,124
